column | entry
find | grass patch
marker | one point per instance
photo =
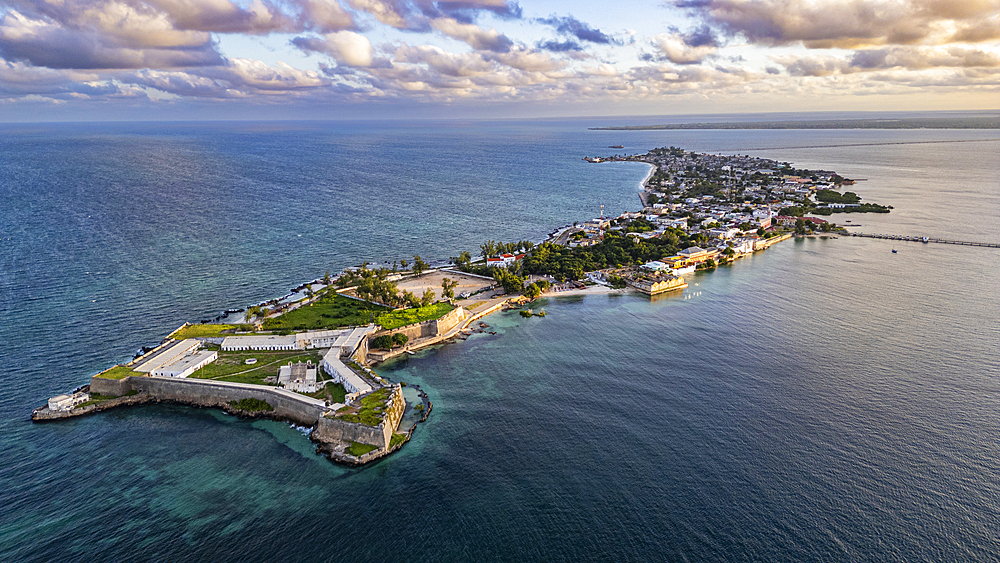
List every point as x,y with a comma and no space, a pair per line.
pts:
472,306
252,405
209,329
333,392
118,372
357,449
396,439
396,319
329,312
372,409
232,367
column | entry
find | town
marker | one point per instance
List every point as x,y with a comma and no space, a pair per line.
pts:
309,357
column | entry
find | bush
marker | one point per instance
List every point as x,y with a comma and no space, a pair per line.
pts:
252,405
400,339
383,342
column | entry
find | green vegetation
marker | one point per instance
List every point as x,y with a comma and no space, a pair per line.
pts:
252,405
400,339
396,439
616,250
333,392
382,342
358,449
831,196
396,319
372,408
118,372
231,366
328,312
206,330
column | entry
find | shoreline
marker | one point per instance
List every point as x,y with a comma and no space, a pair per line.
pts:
337,428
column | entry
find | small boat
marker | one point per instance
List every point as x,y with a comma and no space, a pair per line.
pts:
893,250
411,352
616,147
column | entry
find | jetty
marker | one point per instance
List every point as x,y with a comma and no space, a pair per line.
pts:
926,240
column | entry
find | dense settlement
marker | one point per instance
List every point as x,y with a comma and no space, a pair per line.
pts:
307,358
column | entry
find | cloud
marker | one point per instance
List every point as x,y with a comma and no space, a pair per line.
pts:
325,16
417,15
560,46
571,26
900,58
683,49
475,36
347,47
851,24
47,44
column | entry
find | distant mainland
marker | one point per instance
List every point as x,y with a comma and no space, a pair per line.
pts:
992,122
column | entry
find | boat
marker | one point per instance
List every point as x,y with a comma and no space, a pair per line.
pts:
411,352
616,147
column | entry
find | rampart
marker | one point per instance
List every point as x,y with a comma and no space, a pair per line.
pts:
431,328
287,405
334,429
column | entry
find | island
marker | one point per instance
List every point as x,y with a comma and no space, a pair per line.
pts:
310,357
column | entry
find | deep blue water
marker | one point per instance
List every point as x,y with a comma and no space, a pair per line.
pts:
823,400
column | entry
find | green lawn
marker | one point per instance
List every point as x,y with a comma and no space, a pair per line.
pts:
372,408
333,392
357,449
231,366
329,312
118,372
396,319
204,330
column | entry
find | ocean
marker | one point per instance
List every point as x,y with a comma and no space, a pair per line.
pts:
823,400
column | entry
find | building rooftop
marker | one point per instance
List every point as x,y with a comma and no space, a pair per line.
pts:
167,355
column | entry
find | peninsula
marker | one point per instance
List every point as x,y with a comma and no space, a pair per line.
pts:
310,357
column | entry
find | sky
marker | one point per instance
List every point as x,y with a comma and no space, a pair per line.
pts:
362,59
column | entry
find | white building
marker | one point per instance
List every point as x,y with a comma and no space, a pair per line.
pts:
345,339
168,355
342,374
299,377
67,402
262,342
186,364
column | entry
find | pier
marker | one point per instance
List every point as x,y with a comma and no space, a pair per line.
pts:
927,239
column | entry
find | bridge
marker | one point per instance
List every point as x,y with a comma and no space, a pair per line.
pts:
926,239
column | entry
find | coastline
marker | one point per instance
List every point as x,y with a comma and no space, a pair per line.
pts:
297,408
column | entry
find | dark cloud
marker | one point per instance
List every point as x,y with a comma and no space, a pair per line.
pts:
569,25
560,46
702,37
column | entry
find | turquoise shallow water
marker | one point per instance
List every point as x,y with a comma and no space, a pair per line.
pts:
822,400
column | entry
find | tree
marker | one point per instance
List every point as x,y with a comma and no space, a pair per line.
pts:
383,342
410,299
427,298
400,339
418,265
508,280
532,291
326,278
488,248
448,288
403,263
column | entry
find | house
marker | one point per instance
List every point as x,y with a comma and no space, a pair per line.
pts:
299,377
342,374
503,260
263,342
186,364
168,355
67,402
